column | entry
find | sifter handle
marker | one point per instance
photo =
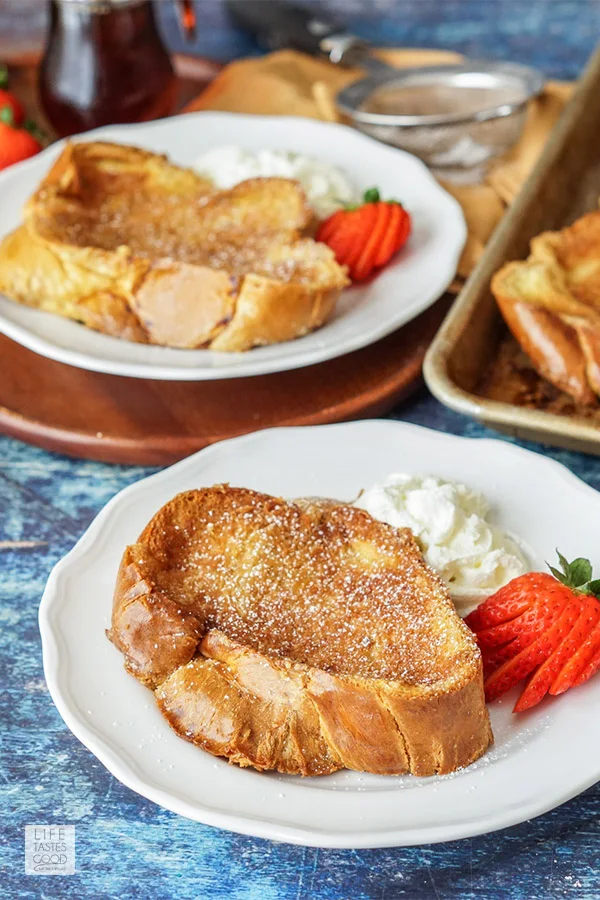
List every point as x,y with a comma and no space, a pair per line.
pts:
278,25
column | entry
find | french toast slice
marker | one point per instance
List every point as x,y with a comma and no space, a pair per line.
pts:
551,304
300,636
118,178
131,245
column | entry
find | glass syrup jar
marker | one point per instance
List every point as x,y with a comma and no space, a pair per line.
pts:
105,63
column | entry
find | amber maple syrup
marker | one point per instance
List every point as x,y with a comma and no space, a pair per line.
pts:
105,63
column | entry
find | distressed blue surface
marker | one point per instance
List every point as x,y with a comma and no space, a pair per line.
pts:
126,846
555,35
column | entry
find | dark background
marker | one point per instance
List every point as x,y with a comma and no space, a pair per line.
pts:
556,35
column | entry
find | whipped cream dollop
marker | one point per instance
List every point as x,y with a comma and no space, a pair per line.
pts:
327,188
449,520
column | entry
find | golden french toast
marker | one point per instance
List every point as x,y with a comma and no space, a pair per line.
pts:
131,245
299,636
551,303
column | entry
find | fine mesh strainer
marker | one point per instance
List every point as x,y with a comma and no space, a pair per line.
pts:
452,117
456,118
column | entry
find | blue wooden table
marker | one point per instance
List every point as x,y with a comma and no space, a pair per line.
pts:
126,846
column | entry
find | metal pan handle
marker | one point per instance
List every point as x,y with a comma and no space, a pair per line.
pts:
278,25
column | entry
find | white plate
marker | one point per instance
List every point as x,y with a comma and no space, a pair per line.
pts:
421,273
539,760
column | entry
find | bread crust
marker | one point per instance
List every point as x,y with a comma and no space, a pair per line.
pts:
239,672
551,304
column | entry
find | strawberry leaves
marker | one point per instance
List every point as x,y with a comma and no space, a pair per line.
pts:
372,195
580,571
576,575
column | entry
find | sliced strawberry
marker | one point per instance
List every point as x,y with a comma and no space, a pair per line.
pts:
366,237
367,259
329,226
494,657
368,216
341,248
404,231
349,235
521,665
592,666
389,242
539,683
510,601
397,234
347,228
514,670
528,625
342,245
542,626
583,647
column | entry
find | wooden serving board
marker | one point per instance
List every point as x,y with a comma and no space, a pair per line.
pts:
129,420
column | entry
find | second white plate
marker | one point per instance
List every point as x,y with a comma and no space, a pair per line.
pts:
539,760
421,273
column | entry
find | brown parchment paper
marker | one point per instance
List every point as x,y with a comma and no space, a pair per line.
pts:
290,83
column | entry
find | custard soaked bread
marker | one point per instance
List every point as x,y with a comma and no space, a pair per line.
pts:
128,244
299,636
551,303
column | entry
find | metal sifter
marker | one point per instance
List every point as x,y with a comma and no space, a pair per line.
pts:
456,118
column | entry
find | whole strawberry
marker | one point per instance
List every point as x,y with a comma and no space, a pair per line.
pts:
16,144
545,628
365,238
12,103
8,99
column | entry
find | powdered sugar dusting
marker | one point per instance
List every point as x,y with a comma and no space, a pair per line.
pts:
319,583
